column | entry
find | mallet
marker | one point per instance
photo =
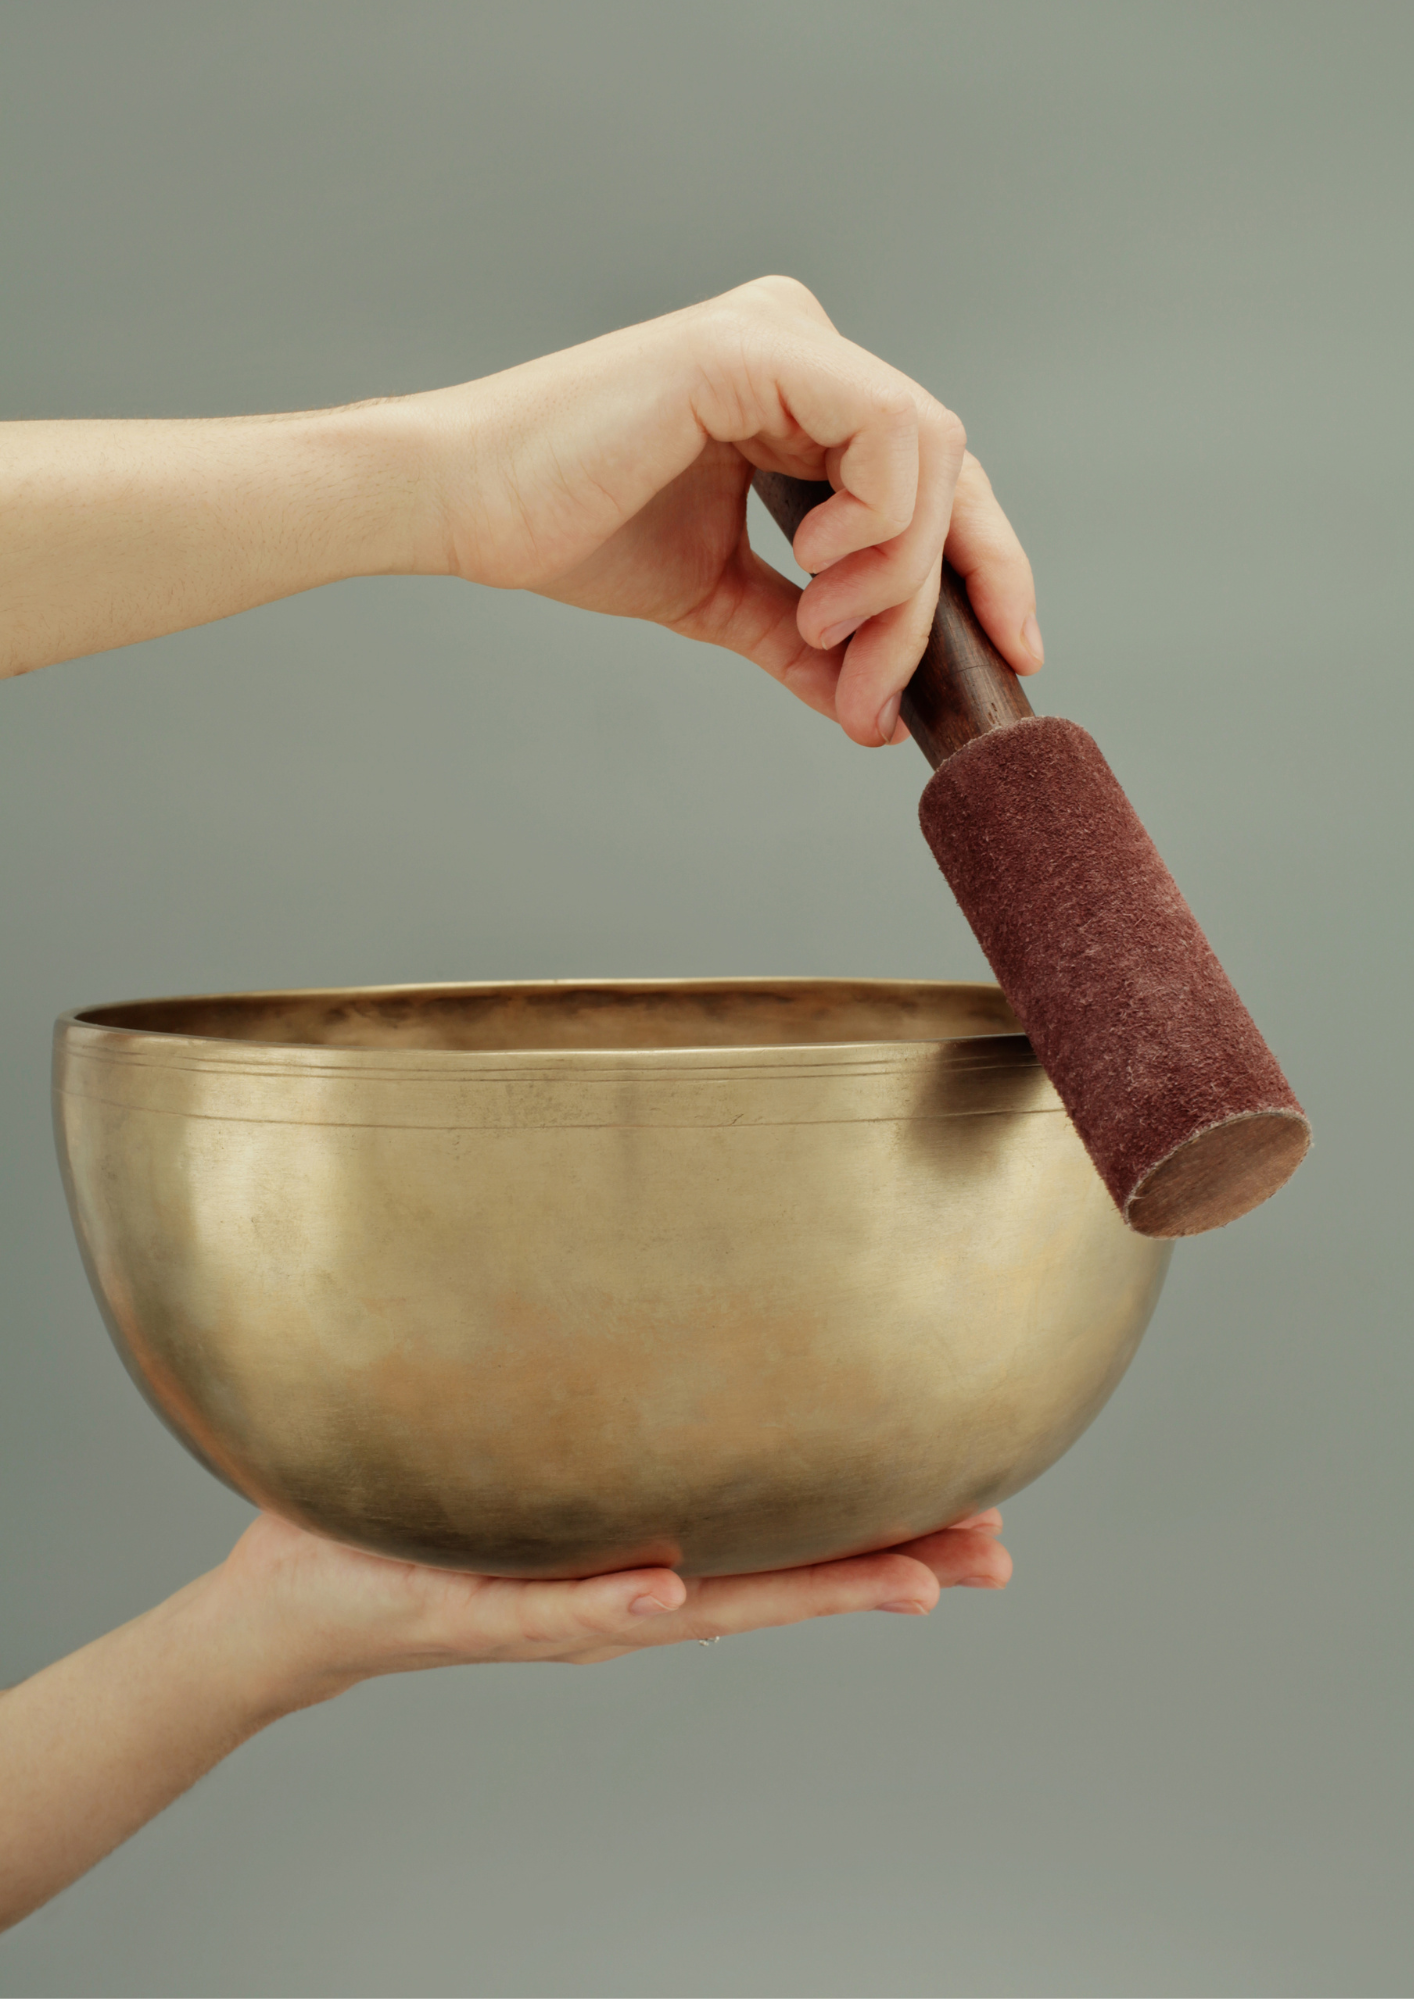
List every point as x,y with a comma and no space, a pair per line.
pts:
1179,1101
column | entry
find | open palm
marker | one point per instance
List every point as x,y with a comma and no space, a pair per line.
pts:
339,1615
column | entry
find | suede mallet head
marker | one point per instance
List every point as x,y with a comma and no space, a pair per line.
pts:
1179,1101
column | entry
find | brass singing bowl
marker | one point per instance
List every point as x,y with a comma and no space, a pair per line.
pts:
546,1280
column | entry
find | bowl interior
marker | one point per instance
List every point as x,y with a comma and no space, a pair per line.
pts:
583,1014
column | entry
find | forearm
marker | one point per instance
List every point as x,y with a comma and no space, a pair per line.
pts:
112,532
97,1744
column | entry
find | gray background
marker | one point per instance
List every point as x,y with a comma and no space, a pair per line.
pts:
1158,259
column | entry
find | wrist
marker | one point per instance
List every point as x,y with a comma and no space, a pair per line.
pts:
252,1662
379,460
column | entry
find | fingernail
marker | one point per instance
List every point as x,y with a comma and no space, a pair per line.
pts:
647,1607
1031,640
837,635
888,718
904,1604
980,1583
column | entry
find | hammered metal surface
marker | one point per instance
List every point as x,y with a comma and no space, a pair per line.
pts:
553,1279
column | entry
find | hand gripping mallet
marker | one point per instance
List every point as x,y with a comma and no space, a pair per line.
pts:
1179,1101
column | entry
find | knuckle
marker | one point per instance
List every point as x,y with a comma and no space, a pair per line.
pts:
893,519
787,290
914,577
774,294
726,322
893,402
949,429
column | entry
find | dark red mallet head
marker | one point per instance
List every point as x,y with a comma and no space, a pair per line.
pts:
1179,1101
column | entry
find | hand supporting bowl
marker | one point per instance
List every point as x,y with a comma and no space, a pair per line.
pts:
547,1280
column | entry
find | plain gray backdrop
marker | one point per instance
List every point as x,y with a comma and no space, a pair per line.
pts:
1158,258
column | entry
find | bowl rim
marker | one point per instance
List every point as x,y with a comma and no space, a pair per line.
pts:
79,1023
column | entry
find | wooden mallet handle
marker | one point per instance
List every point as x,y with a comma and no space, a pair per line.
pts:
962,687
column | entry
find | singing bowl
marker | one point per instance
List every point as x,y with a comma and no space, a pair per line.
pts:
551,1279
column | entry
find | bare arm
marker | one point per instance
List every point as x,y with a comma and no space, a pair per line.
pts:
612,476
111,532
96,1745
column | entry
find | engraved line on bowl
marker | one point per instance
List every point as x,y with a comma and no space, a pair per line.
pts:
559,1125
909,1056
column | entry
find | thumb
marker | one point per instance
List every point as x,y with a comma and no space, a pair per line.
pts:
752,612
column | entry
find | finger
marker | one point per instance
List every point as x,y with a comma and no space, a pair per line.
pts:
859,585
720,1606
963,1555
879,663
756,617
753,611
603,1616
876,480
983,548
989,1522
886,596
511,1614
794,397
